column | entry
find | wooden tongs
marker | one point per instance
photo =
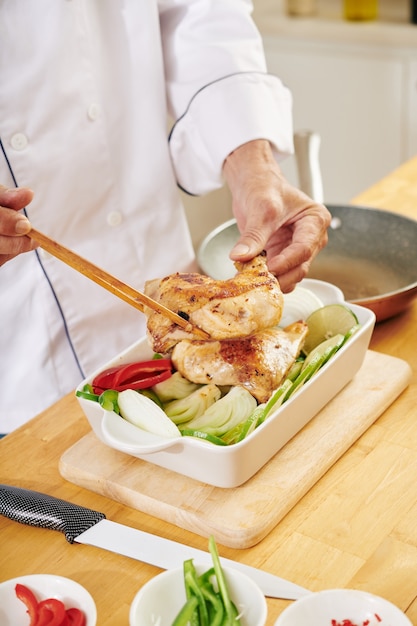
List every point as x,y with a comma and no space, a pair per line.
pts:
136,298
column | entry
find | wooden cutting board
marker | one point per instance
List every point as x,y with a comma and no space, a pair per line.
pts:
243,516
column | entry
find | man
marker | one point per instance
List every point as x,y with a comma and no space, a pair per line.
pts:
87,87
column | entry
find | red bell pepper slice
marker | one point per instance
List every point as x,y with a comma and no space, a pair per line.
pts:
75,617
139,375
48,612
28,598
51,612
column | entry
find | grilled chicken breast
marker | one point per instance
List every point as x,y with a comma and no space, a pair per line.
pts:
258,362
240,306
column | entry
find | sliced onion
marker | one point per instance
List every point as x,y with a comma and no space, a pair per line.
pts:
144,413
298,305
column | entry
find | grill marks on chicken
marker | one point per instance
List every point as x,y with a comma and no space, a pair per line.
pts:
258,362
240,306
241,315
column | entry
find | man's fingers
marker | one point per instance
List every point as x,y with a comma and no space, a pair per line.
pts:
13,223
12,246
22,225
15,199
254,237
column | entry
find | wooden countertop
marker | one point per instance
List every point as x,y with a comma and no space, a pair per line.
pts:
357,527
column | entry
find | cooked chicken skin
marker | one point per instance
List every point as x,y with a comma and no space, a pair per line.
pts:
258,362
240,306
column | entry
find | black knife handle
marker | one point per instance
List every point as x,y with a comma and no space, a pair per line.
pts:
38,509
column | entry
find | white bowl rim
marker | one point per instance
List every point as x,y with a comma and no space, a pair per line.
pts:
292,610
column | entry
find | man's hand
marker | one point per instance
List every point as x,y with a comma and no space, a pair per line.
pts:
273,215
14,225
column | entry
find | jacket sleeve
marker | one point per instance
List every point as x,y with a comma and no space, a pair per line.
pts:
219,92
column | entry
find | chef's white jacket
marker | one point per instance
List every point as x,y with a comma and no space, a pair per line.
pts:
87,87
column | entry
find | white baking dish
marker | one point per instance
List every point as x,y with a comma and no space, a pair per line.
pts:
230,466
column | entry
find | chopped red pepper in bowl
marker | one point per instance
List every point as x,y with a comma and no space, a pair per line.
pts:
348,622
50,611
28,598
36,600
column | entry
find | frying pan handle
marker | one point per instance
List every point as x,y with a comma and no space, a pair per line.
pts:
307,146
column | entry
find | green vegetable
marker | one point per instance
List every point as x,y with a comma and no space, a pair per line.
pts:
205,436
295,369
87,393
184,617
245,428
208,601
233,408
194,405
108,400
230,609
192,588
325,349
277,398
314,361
305,375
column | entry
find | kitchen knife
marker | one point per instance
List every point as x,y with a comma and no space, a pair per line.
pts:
82,525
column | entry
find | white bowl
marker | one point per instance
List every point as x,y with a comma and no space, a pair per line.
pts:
159,600
231,466
71,593
319,609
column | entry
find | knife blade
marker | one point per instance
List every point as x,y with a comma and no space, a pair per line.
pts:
86,526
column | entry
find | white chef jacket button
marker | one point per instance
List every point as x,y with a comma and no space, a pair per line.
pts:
93,111
19,141
114,218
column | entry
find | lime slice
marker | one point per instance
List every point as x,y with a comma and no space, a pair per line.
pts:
330,320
